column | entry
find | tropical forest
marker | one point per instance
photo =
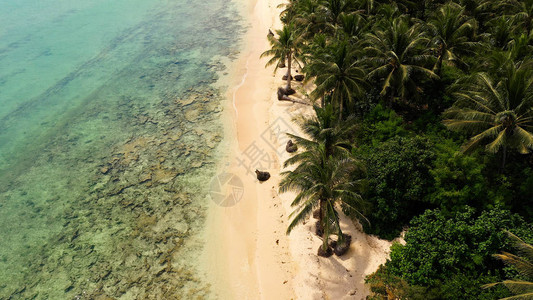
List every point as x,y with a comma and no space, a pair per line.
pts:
422,129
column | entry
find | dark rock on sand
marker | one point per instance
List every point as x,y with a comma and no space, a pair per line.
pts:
299,77
281,64
283,94
262,176
285,77
341,248
324,253
291,147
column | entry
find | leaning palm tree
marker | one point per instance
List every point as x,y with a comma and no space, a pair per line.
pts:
336,75
395,57
452,34
285,47
499,114
522,289
323,182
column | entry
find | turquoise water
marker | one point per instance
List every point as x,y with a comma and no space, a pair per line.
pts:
109,130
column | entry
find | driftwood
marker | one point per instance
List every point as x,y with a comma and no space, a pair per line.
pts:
262,176
291,147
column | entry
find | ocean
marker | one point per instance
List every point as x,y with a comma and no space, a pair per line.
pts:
110,131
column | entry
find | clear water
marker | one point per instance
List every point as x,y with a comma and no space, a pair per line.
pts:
109,129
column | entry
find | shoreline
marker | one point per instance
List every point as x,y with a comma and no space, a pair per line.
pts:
248,255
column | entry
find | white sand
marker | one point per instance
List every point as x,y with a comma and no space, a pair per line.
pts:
248,254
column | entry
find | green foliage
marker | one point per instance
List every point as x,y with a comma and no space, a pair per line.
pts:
381,124
522,287
399,180
459,180
454,255
422,60
497,114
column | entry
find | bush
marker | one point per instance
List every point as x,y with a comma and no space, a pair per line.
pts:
459,180
452,257
381,124
399,180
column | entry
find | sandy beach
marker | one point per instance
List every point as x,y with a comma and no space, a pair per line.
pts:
249,256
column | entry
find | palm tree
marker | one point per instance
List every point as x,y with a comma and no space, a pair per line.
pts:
324,128
452,34
284,48
333,9
521,289
353,27
521,13
500,34
366,6
395,56
336,75
309,18
326,174
499,114
323,181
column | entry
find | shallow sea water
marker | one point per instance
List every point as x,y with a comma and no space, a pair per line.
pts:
110,131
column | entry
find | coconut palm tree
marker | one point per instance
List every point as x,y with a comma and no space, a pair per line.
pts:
395,57
522,289
452,33
336,75
309,18
500,32
333,9
520,12
352,27
324,128
499,114
323,182
286,47
317,178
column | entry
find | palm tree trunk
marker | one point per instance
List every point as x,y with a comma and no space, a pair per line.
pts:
504,157
325,227
438,65
289,62
322,215
341,100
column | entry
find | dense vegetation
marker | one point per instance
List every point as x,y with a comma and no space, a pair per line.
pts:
433,101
